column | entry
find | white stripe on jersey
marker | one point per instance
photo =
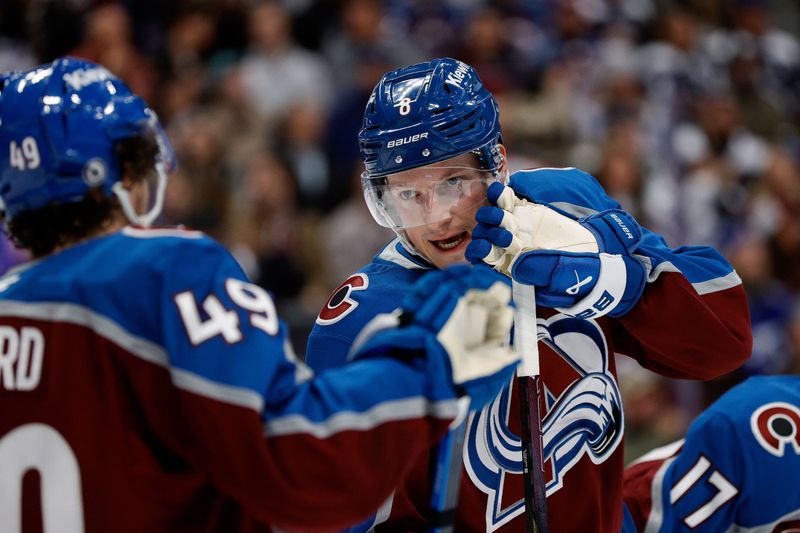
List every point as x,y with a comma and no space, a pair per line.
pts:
151,233
718,284
137,346
203,386
383,513
393,410
656,517
727,281
662,452
390,253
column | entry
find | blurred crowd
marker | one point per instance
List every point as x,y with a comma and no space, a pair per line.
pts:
688,112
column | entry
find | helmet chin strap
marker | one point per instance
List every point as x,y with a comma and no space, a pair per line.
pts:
148,218
406,242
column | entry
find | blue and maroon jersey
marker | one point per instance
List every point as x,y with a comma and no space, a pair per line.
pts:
691,322
146,385
736,470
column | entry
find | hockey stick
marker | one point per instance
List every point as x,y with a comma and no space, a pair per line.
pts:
529,385
447,480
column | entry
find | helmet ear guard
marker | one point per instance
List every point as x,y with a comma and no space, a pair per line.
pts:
61,122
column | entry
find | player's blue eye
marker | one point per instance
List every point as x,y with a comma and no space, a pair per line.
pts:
454,180
407,194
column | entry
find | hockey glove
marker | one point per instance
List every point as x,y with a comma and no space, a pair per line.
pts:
460,318
583,268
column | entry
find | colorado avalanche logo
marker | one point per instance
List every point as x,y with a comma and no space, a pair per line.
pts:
585,419
776,427
339,305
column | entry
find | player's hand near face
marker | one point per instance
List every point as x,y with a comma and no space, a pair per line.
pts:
583,267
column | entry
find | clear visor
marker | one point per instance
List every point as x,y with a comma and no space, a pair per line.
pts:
426,195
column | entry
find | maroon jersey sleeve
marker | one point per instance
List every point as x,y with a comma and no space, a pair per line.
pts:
679,331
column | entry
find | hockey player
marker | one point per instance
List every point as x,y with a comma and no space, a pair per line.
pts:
433,152
146,385
736,470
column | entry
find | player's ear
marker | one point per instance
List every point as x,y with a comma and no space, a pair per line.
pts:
502,170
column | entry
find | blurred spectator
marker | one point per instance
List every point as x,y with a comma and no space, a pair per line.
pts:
277,73
771,307
15,51
264,232
540,124
721,159
487,47
776,212
189,40
620,170
300,142
238,127
108,40
55,27
794,333
350,237
200,149
362,39
432,25
675,70
776,51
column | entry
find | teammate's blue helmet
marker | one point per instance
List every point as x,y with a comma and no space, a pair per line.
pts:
428,113
59,124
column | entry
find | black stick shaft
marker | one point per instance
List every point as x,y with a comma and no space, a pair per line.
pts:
532,455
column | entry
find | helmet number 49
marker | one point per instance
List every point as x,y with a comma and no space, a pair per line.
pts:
25,155
405,106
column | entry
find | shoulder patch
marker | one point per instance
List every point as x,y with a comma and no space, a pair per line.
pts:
776,425
339,305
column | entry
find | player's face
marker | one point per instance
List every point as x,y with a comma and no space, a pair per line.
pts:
448,194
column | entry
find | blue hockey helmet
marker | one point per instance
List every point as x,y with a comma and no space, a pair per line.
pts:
426,113
59,124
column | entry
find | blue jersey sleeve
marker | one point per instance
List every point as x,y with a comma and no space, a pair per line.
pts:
229,352
220,327
692,292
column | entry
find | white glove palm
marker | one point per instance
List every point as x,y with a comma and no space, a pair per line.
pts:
461,318
534,227
584,268
475,335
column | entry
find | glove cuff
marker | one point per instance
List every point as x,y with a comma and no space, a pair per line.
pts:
607,293
617,231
